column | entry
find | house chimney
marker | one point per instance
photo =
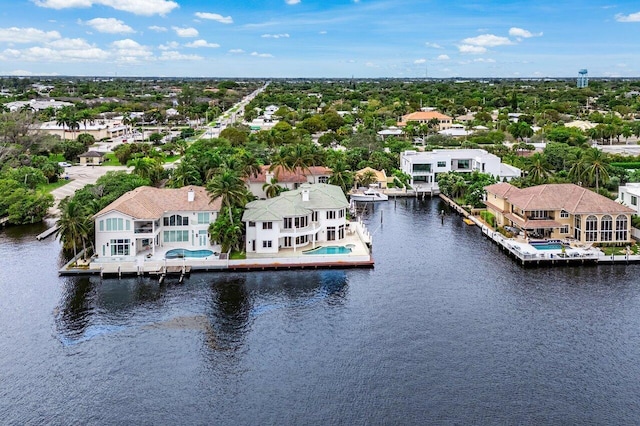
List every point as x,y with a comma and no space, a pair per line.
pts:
305,194
191,196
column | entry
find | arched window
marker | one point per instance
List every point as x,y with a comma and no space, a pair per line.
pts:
621,228
606,228
591,228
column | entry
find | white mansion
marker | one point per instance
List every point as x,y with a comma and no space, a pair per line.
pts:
146,218
423,167
295,219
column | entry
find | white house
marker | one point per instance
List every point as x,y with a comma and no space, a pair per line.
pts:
296,219
147,217
423,167
629,195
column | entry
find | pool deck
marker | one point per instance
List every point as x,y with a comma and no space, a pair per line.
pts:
155,264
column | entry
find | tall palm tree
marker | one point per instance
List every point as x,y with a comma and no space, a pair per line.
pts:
597,167
145,167
538,170
300,158
86,116
249,164
367,178
272,189
73,225
578,169
340,176
185,174
230,188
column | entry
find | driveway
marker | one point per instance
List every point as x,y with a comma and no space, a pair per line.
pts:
79,176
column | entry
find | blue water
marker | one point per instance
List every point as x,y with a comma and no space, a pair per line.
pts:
446,329
176,253
329,250
547,246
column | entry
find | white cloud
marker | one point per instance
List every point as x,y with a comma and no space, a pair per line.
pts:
27,35
28,73
632,17
236,51
262,55
202,43
420,61
292,1
433,45
467,48
285,35
322,32
443,58
137,7
522,33
70,43
130,51
487,40
158,29
185,32
215,17
171,45
109,26
47,54
485,60
177,56
371,65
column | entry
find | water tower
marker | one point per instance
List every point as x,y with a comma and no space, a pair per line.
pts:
583,79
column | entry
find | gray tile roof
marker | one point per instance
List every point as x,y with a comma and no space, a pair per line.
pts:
321,197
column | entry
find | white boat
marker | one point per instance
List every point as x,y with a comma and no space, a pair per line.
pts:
369,194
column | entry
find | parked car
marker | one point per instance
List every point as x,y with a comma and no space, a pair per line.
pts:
64,164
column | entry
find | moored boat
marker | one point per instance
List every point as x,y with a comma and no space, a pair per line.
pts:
370,194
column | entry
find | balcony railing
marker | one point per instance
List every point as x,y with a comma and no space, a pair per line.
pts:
296,232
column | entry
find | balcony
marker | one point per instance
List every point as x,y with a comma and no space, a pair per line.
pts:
143,227
296,232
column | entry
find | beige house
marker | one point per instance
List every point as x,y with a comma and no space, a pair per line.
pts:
381,176
560,211
101,129
424,117
91,158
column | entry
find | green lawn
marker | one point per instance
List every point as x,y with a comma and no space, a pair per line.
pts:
237,255
48,187
618,251
110,160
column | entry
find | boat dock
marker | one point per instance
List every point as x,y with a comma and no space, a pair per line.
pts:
47,233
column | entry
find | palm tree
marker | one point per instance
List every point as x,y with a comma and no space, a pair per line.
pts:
578,169
185,174
145,167
340,176
367,178
300,158
86,116
597,167
272,189
538,170
74,225
249,164
229,186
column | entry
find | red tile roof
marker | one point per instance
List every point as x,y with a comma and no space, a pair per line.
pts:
566,196
286,176
147,202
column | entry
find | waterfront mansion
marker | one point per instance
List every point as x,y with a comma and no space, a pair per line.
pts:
560,211
146,218
296,219
424,167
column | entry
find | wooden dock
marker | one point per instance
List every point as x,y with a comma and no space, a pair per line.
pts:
47,233
4,220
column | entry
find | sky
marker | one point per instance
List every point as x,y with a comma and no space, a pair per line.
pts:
320,38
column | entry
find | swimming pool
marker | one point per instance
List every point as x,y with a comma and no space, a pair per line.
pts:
329,250
547,246
179,253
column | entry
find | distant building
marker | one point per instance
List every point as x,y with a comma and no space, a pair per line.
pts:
424,167
91,158
36,105
629,195
583,79
424,117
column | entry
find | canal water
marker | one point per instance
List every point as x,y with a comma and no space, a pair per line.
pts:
445,329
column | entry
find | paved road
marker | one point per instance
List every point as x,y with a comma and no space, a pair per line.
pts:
79,177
